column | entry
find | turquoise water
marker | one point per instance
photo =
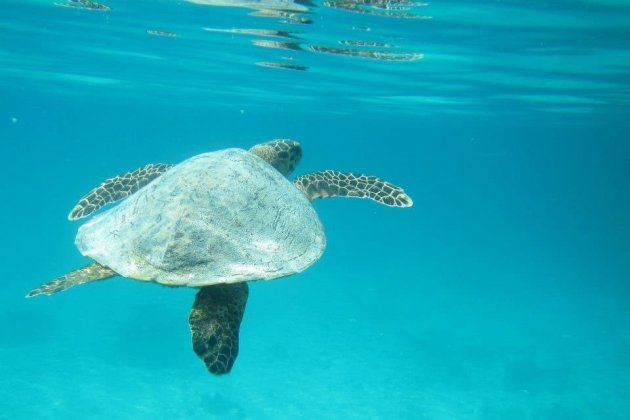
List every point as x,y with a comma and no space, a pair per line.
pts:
501,294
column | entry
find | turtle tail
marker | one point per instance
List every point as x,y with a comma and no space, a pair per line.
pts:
89,273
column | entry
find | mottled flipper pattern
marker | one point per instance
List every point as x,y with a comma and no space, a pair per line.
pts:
282,154
86,274
116,188
345,184
215,321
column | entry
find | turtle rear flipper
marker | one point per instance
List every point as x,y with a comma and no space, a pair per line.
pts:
85,274
117,188
347,184
215,320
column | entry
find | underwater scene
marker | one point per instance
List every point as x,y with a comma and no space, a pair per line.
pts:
315,209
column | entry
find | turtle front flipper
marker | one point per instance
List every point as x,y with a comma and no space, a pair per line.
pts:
116,188
215,321
346,184
85,274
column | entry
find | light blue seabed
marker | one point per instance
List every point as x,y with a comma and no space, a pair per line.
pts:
501,294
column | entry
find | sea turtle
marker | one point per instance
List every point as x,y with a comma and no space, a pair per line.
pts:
214,222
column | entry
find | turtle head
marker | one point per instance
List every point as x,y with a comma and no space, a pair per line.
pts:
282,154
